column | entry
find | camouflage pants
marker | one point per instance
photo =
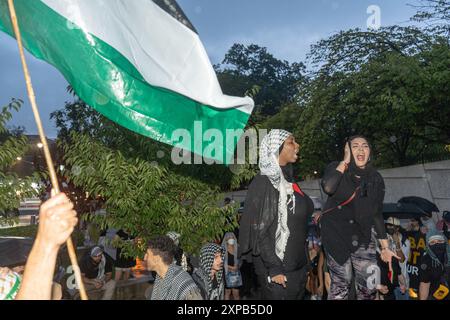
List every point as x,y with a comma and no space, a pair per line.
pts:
359,267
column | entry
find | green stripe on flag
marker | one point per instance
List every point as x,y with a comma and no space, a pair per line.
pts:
107,81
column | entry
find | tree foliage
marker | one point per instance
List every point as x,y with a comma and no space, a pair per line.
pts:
12,146
144,192
247,66
146,198
348,50
435,14
391,85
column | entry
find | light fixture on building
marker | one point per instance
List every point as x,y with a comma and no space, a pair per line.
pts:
40,145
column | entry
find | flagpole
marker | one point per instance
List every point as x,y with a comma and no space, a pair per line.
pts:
48,157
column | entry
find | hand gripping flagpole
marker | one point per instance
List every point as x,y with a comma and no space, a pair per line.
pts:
48,157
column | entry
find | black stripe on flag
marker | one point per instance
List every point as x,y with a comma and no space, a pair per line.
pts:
172,8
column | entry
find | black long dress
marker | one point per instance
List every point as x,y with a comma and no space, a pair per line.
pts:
257,238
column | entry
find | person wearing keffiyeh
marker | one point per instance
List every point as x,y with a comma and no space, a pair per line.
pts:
434,272
209,275
172,282
96,271
181,258
273,227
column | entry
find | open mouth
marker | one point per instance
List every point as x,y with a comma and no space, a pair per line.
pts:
361,158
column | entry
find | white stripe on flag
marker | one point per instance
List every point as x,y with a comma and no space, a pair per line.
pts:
164,51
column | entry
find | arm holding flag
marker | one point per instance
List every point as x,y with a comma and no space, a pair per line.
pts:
56,222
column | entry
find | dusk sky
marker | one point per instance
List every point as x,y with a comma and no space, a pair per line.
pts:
286,27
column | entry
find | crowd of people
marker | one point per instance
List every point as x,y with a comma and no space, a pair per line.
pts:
284,249
350,252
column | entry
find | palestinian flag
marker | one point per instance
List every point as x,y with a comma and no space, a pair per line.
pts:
138,62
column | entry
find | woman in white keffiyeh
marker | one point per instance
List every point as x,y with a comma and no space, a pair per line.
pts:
274,223
270,167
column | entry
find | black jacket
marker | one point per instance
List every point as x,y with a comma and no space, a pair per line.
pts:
344,229
258,227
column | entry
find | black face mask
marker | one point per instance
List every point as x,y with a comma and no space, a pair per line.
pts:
390,230
439,250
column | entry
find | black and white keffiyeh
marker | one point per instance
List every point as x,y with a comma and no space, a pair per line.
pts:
270,167
207,255
176,285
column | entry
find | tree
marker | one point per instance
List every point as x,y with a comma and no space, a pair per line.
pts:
435,14
324,123
286,119
12,146
79,117
390,84
348,50
246,66
144,192
146,198
397,101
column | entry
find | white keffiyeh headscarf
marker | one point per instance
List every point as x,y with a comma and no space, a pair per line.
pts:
270,167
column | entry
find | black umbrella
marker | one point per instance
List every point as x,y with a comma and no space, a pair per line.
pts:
402,211
424,204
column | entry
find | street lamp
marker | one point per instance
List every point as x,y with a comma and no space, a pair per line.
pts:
19,158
